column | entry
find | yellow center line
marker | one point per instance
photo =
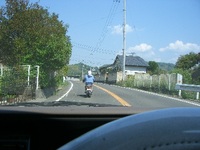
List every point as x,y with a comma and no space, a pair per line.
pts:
119,99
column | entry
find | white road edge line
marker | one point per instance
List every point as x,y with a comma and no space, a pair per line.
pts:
172,98
66,92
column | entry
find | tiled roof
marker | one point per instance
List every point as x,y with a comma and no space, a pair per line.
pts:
132,61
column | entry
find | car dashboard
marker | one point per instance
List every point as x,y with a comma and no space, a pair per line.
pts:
78,128
29,128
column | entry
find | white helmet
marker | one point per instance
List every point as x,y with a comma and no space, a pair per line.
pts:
89,72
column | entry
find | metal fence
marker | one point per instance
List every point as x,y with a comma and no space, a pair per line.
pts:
188,87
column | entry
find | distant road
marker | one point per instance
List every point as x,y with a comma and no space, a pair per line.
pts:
114,95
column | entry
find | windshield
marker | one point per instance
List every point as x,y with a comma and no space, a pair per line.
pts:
110,53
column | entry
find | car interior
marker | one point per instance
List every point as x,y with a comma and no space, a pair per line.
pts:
50,127
28,128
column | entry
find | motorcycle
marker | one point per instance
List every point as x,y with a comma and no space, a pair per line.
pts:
88,90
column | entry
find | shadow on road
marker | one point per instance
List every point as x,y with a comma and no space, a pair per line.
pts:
82,95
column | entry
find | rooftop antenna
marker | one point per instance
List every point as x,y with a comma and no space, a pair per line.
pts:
132,53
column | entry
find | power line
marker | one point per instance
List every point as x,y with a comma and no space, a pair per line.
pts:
107,23
103,34
91,48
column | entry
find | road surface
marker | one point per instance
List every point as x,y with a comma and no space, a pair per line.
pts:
119,96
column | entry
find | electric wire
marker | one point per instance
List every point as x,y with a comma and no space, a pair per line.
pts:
107,24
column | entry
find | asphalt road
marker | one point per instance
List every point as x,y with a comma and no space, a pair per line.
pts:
119,96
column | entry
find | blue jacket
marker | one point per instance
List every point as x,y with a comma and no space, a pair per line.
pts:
88,79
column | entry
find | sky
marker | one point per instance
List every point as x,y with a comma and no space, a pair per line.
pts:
156,30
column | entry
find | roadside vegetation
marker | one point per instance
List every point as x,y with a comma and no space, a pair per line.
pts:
187,65
31,36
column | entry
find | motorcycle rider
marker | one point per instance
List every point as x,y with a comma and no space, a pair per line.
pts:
88,79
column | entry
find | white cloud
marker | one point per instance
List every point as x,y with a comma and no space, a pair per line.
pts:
118,29
143,50
181,47
143,47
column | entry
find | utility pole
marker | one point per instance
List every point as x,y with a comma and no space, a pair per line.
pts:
82,71
124,41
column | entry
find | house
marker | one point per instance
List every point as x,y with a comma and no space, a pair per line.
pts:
133,64
113,72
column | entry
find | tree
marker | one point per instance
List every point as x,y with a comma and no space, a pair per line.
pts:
29,34
187,78
153,67
189,64
196,75
188,61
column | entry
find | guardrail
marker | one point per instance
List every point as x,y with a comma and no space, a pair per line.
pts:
188,87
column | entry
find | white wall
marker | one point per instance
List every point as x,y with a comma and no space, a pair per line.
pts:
132,70
117,76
